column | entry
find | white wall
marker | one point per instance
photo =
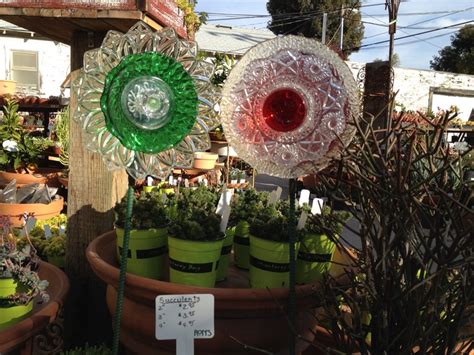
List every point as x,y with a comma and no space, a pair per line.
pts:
414,86
53,61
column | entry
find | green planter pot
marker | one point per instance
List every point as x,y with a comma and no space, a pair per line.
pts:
194,262
314,258
149,188
57,260
160,190
7,287
241,245
224,260
12,315
269,263
146,251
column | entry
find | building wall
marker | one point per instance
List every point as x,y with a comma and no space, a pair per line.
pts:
53,61
414,85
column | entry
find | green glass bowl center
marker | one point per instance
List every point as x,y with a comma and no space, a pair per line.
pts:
140,102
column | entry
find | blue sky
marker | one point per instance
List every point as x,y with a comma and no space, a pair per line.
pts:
414,52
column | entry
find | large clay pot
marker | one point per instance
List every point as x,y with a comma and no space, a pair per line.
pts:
40,176
42,313
254,317
40,210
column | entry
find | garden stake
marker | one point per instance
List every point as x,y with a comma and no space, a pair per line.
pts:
123,268
292,294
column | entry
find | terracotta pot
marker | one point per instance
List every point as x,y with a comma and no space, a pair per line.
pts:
40,210
40,176
255,317
42,313
204,160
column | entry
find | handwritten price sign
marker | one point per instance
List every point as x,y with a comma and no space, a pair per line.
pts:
184,318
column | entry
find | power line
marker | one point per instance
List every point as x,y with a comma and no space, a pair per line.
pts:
411,42
413,35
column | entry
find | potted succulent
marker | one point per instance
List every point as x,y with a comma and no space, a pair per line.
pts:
20,151
245,207
195,239
269,246
19,282
318,244
148,237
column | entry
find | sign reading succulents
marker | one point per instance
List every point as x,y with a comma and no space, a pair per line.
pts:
287,106
145,102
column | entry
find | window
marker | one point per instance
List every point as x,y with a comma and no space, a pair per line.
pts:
24,69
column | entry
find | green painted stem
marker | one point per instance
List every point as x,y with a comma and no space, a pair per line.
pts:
123,271
292,291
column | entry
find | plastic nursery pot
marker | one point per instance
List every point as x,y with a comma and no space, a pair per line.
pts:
314,258
56,260
224,260
14,314
241,245
146,251
149,188
269,263
194,262
7,287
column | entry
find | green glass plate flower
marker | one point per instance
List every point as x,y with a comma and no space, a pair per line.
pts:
145,102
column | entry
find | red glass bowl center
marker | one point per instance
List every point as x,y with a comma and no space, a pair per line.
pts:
284,110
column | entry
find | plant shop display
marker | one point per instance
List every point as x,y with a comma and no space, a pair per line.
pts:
19,282
148,237
20,151
414,288
245,207
36,200
269,246
318,244
195,239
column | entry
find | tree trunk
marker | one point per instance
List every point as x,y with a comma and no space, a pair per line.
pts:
92,193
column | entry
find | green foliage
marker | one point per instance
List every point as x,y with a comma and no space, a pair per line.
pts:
89,350
149,211
54,223
196,224
223,64
193,214
459,56
62,134
27,149
192,20
295,17
271,222
38,243
55,246
245,206
329,222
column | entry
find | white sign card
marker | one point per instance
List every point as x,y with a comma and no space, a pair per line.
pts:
47,231
184,318
302,221
30,224
304,197
275,195
317,206
149,181
186,183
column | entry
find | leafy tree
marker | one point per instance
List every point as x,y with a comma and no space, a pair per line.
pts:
459,56
305,17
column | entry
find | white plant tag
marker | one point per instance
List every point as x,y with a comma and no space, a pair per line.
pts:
170,179
149,181
184,318
275,195
186,183
47,231
304,197
233,181
224,201
302,221
317,206
62,229
205,182
225,218
242,181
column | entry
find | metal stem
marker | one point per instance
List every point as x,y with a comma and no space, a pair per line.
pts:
292,244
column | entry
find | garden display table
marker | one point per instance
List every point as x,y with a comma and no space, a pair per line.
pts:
40,331
243,316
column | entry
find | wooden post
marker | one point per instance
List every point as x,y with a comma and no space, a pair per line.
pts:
92,193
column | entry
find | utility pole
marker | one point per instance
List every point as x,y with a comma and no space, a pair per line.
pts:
392,6
341,38
325,27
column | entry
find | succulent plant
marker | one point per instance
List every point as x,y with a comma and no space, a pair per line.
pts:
245,206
